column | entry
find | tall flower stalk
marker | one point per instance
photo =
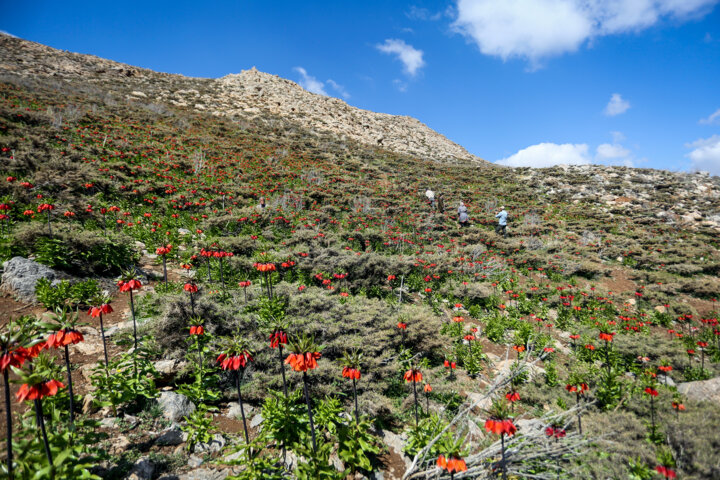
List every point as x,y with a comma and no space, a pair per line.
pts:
103,306
414,375
192,289
236,357
351,369
65,333
163,252
501,424
128,284
304,357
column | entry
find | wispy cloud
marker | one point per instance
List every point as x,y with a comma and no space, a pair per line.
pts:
7,33
421,13
338,88
705,154
310,83
538,29
616,105
411,58
714,118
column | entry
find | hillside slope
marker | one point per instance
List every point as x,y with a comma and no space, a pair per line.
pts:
246,96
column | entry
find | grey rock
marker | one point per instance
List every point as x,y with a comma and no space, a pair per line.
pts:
108,422
194,461
702,390
395,442
256,420
175,406
168,369
234,410
204,474
665,380
215,445
142,470
171,436
20,276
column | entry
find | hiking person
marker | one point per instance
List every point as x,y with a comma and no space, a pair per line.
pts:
463,218
441,202
502,222
431,197
261,205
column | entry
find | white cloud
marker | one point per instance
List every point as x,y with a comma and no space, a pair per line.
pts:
310,83
712,119
607,151
706,154
421,13
616,105
411,58
548,154
537,29
338,88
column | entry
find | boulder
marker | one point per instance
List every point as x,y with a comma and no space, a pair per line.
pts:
215,445
142,470
702,390
170,437
175,406
234,411
20,276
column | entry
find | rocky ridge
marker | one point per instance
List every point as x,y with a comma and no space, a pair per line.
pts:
248,96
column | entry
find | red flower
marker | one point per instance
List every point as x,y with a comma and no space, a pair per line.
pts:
302,362
608,337
197,330
500,427
244,283
651,391
512,396
13,358
458,319
34,392
556,432
234,362
678,406
349,372
278,337
129,285
452,464
163,250
427,388
190,287
402,325
64,337
665,471
413,375
391,278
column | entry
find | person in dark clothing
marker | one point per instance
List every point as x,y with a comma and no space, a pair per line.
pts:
441,203
502,222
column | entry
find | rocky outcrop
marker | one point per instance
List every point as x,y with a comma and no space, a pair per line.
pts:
702,391
20,276
250,95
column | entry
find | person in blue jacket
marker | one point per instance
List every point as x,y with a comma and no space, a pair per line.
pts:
502,222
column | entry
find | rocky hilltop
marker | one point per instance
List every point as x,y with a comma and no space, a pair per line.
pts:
248,96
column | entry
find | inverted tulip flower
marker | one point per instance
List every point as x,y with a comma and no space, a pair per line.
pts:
351,370
304,357
451,459
163,252
577,386
236,357
103,306
12,356
414,375
65,333
499,423
128,283
36,386
192,289
266,269
47,207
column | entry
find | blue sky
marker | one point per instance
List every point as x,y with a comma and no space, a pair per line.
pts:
522,82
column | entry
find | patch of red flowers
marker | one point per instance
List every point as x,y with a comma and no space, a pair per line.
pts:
351,373
64,337
40,391
302,362
451,464
500,427
234,362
